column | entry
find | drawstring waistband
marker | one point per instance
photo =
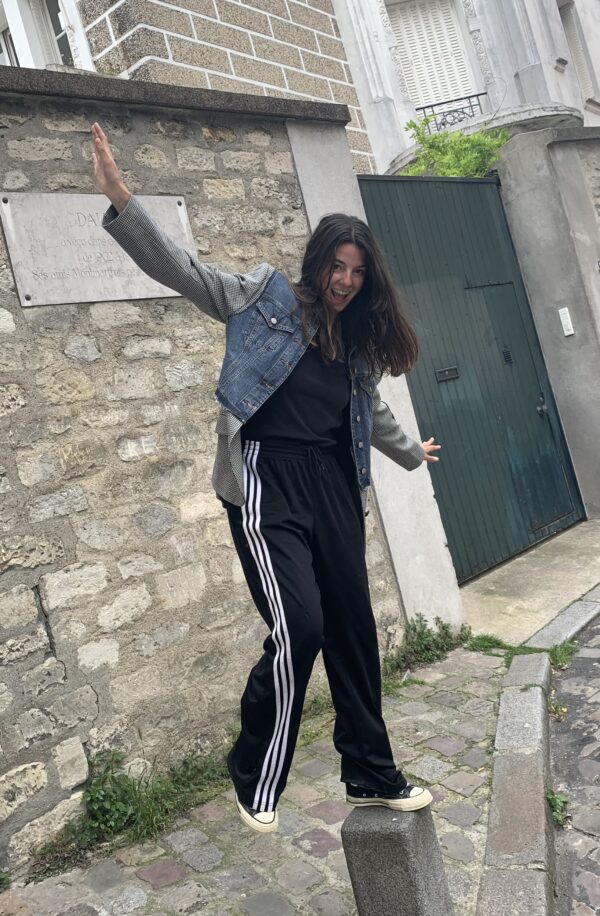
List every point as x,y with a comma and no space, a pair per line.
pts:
318,456
315,461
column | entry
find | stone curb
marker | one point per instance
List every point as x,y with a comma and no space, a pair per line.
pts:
519,867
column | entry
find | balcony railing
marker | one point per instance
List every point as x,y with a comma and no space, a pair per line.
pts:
446,114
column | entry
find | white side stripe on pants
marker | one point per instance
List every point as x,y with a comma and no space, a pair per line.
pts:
283,674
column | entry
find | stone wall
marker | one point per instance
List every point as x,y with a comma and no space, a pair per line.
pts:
270,47
124,618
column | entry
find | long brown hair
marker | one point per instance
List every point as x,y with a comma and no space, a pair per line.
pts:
375,323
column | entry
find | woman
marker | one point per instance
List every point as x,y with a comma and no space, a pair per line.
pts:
299,408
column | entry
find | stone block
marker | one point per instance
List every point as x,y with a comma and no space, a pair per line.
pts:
195,158
181,587
277,52
65,386
311,18
200,506
49,674
242,17
35,467
18,609
169,634
71,763
55,505
108,315
258,71
129,15
138,448
7,322
12,398
317,842
381,849
146,347
129,384
129,604
98,533
39,149
196,53
514,892
463,783
27,551
6,698
72,584
138,564
267,903
518,830
95,654
82,347
568,623
236,161
162,874
19,648
224,189
522,720
19,785
34,725
156,520
529,669
75,707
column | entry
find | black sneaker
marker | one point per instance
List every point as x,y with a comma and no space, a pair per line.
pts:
411,798
261,821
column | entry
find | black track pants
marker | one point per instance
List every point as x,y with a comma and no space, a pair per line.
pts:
300,540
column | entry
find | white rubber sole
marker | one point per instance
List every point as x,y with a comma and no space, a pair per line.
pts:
419,801
264,822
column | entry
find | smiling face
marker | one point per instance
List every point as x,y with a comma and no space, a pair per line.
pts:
346,277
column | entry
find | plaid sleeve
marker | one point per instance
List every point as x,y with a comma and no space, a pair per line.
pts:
389,438
217,293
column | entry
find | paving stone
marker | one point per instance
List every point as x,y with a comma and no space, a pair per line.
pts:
317,843
162,873
414,708
127,900
461,814
447,698
138,855
586,883
301,794
528,669
522,720
588,820
470,728
313,768
589,769
475,758
238,878
329,903
463,783
104,875
526,891
266,904
298,877
290,822
185,898
458,885
331,812
457,846
415,691
518,830
203,858
429,768
189,838
446,746
210,812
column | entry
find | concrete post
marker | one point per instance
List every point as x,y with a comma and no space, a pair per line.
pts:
395,863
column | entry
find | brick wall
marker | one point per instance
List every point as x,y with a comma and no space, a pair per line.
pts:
125,621
272,47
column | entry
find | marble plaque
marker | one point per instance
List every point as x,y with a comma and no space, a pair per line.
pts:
60,253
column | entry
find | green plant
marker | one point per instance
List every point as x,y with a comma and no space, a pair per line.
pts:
557,711
421,645
558,804
454,153
121,808
4,880
562,655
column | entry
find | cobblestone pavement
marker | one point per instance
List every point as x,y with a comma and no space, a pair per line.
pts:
575,750
209,863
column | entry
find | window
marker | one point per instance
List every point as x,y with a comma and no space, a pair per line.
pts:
432,53
42,33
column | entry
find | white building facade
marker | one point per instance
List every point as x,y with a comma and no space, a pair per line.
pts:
524,63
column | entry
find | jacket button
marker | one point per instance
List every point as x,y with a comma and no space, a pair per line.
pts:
273,321
358,419
354,391
363,470
360,445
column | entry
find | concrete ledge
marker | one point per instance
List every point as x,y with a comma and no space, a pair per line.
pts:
569,622
88,87
522,720
395,863
527,670
514,892
519,828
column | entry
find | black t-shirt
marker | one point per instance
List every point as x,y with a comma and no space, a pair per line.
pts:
310,406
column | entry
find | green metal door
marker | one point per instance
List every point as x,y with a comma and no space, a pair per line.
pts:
480,387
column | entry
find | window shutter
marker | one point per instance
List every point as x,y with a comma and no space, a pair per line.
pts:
432,53
574,40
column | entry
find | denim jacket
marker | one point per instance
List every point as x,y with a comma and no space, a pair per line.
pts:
264,341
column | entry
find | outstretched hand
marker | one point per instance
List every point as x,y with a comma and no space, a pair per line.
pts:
106,173
428,448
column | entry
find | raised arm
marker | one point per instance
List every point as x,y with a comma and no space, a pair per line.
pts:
389,438
217,293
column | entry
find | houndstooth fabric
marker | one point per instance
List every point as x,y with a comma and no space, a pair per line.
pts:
220,295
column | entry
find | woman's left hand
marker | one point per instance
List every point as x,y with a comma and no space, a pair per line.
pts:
429,447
